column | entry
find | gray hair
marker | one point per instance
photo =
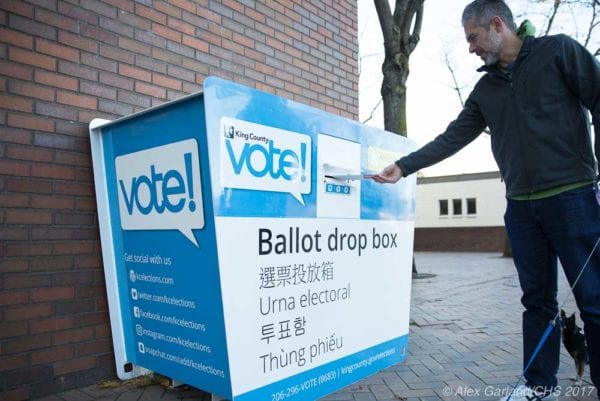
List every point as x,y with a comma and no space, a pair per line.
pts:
482,12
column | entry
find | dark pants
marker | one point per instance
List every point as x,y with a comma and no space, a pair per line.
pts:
566,226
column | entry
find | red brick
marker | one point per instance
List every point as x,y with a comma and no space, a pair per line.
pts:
122,5
73,336
167,9
91,291
12,167
18,7
74,278
166,33
13,265
54,49
28,343
99,346
51,233
103,331
30,122
167,82
78,13
150,90
50,265
14,70
97,90
100,63
28,217
71,188
29,185
52,324
181,26
195,43
52,294
85,204
92,319
14,200
31,58
52,202
77,41
151,14
29,153
13,297
56,20
13,37
187,5
56,80
28,249
17,394
136,73
76,219
74,248
9,233
28,89
13,329
53,354
16,103
12,362
209,15
74,99
27,312
74,365
73,159
235,5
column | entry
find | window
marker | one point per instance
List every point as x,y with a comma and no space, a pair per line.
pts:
443,207
457,207
471,206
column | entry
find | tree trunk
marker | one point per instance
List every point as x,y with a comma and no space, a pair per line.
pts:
401,32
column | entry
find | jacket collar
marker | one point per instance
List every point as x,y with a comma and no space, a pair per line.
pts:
525,50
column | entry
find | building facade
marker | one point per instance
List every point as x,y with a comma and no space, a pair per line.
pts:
64,63
460,213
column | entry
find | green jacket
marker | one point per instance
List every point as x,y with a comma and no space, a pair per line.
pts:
536,115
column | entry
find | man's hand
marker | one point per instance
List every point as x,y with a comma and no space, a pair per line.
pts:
389,175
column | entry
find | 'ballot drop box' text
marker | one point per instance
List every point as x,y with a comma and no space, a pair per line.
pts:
237,260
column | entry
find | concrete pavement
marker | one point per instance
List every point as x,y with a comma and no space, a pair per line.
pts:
464,343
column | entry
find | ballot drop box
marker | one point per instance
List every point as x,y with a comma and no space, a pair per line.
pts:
244,253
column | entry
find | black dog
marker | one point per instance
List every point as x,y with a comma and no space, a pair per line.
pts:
574,341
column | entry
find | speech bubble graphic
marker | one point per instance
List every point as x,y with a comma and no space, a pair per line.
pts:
263,158
160,189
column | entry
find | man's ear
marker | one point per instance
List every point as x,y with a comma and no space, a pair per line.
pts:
497,24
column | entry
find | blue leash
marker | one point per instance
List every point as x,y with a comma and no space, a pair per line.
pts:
551,325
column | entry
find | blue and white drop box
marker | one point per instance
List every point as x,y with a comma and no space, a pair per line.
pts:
234,262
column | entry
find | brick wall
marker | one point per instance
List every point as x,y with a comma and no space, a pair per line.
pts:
460,239
65,62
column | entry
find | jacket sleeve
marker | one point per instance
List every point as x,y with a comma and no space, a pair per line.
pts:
582,73
460,132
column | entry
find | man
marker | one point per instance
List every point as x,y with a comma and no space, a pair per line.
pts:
533,99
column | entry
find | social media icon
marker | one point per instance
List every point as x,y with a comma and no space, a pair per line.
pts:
134,294
138,329
136,312
141,348
132,276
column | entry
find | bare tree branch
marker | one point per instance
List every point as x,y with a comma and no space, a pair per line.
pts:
552,16
373,111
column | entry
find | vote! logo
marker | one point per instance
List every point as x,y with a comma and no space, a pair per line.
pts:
160,189
264,158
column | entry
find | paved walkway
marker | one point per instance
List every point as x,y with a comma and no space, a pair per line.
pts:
465,342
